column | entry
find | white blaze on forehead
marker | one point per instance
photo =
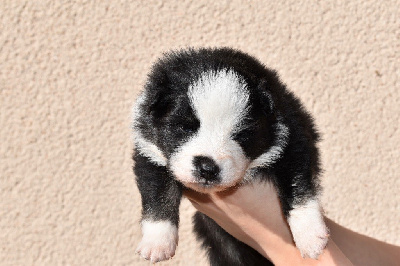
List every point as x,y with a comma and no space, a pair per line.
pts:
220,100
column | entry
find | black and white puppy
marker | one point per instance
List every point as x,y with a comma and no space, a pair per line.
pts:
210,119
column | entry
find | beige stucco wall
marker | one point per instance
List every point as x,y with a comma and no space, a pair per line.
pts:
69,73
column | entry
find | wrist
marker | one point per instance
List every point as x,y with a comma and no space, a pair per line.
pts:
277,245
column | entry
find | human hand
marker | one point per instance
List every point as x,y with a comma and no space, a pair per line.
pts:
252,214
248,213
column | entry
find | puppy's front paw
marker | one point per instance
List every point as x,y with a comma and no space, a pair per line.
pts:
308,229
159,241
311,243
156,251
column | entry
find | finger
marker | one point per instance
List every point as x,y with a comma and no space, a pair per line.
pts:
226,193
195,196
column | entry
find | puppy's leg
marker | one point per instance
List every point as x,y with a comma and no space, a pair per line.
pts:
161,196
301,207
308,228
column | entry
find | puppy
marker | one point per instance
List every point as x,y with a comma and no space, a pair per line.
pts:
210,119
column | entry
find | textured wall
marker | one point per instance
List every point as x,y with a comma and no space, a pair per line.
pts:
69,73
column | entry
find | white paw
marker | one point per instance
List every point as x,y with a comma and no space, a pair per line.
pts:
156,251
308,229
159,241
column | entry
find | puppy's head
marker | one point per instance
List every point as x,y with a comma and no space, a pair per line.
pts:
206,129
210,157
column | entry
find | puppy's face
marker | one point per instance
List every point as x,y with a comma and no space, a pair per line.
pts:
210,134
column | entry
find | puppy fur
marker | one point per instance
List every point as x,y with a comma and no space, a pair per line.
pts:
209,119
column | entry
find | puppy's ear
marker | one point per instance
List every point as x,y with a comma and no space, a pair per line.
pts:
267,99
160,104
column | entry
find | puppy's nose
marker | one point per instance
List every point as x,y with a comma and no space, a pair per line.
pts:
206,168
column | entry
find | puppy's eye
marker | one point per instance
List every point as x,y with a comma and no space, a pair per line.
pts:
246,133
243,135
188,127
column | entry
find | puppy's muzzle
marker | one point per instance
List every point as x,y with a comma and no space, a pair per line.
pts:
206,170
